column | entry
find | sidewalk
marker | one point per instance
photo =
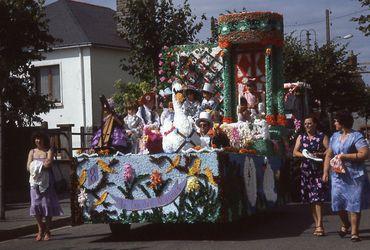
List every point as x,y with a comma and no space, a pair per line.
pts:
18,222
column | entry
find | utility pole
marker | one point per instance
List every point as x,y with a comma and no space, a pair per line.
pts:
308,39
327,17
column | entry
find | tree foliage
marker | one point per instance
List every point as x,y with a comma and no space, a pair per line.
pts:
23,37
334,81
364,20
148,26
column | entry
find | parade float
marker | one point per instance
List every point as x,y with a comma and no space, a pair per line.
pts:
200,185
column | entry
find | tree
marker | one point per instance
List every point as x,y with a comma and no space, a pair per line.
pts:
363,20
148,26
23,38
334,81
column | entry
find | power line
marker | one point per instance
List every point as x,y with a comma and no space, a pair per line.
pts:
323,20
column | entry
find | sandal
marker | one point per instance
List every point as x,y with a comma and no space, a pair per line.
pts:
47,236
343,231
38,237
355,238
319,231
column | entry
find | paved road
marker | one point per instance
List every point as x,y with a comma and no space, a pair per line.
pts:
287,228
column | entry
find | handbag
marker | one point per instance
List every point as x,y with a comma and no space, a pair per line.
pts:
337,165
61,186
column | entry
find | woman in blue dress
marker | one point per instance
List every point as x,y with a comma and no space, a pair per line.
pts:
350,190
313,190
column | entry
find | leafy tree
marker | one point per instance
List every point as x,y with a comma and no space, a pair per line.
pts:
333,79
363,20
23,37
148,26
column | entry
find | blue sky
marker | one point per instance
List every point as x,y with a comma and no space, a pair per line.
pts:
298,15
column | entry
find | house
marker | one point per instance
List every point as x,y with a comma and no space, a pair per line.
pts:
83,65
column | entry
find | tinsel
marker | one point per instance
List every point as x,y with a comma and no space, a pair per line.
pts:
250,25
280,81
269,93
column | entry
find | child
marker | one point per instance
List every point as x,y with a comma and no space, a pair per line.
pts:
209,101
146,111
191,104
134,127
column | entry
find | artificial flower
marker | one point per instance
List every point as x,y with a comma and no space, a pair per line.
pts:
128,173
192,184
82,197
155,179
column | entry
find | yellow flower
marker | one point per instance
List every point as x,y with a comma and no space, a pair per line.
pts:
192,184
195,169
105,166
209,174
174,164
101,199
82,178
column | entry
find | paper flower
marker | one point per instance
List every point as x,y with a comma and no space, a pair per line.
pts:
155,179
192,184
129,173
82,197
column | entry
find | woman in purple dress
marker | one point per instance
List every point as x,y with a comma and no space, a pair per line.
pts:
350,188
44,200
313,190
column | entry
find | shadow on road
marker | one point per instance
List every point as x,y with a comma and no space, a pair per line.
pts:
289,221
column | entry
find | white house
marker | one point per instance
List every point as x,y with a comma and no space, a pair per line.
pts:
83,65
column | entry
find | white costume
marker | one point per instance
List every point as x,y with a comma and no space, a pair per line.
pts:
134,124
148,116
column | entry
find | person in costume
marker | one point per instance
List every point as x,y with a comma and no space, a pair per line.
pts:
209,102
133,126
112,132
251,96
191,104
204,123
44,199
146,111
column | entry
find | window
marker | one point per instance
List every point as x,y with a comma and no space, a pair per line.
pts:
48,82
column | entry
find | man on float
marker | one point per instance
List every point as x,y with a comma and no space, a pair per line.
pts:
146,111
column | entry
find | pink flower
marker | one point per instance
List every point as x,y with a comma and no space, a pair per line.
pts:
172,64
162,79
161,71
129,173
165,47
160,63
160,55
169,81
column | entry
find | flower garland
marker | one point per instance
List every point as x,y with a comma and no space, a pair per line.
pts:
234,17
281,120
270,119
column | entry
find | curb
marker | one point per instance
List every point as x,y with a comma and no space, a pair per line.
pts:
31,229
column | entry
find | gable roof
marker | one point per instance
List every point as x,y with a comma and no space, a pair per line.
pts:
78,23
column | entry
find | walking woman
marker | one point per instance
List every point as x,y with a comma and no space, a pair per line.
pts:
313,190
350,184
44,200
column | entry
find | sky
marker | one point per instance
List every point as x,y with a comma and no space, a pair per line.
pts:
299,16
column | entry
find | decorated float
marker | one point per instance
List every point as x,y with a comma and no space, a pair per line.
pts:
187,184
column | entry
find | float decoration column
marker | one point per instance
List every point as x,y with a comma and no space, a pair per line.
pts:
229,89
281,119
270,116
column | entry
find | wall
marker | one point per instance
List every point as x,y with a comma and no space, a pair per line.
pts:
105,65
71,109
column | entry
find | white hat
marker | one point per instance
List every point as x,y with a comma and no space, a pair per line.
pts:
207,87
204,116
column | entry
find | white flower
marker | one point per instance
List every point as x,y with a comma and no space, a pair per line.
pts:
82,197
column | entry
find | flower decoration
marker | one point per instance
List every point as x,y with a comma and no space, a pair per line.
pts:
155,179
247,151
82,197
227,120
224,44
268,51
270,119
128,173
180,97
192,184
104,152
297,125
82,178
195,169
209,174
281,120
174,163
